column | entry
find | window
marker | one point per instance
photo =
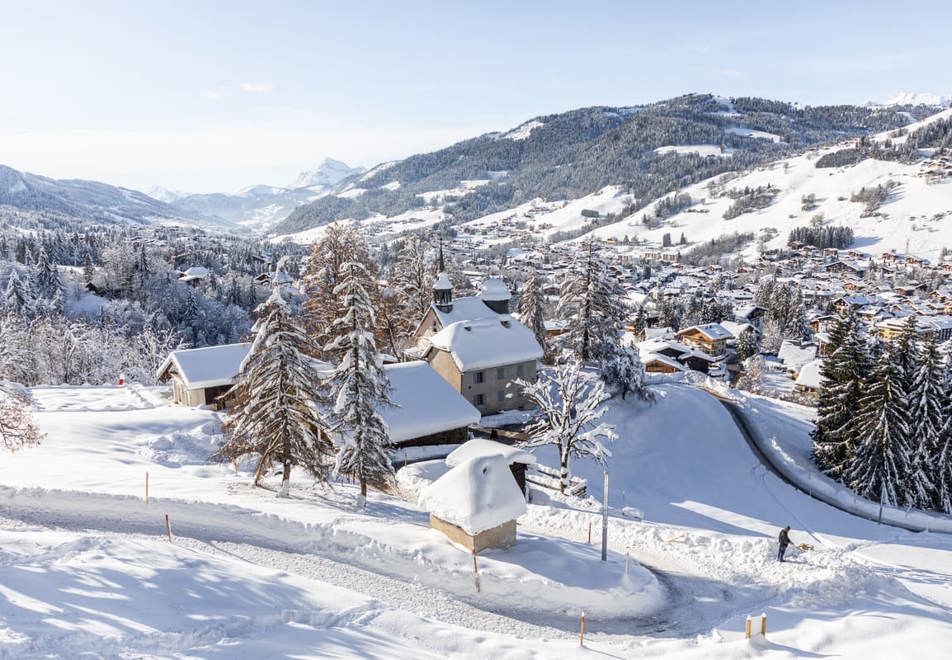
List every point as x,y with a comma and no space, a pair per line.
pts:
479,376
501,396
480,399
500,373
520,371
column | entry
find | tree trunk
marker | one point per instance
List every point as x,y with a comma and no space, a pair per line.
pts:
363,488
286,470
564,471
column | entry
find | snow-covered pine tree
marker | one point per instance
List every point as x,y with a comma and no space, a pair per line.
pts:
17,299
841,387
361,385
274,416
413,274
881,463
942,463
906,352
532,310
623,373
748,345
47,276
593,305
570,403
926,411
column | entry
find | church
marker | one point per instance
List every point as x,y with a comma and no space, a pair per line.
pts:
477,346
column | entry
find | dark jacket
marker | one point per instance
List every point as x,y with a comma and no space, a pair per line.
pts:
784,538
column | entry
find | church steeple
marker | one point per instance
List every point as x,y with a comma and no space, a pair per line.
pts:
442,287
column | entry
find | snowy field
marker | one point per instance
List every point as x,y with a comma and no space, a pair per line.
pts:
85,565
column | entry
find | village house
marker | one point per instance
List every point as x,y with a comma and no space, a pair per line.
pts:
201,376
710,338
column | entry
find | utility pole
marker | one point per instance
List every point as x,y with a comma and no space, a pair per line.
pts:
605,518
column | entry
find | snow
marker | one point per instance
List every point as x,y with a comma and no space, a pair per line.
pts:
494,289
753,133
809,375
207,367
478,447
699,149
918,212
485,343
352,193
426,403
917,98
713,331
523,131
393,185
795,356
476,495
443,282
85,568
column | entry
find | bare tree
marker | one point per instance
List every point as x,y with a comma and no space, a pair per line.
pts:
570,407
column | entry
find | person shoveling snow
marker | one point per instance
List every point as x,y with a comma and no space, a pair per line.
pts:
784,540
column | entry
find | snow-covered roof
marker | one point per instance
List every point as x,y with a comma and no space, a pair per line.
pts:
194,273
648,358
425,403
736,329
469,308
494,288
809,375
476,495
487,343
442,283
712,331
206,367
483,447
794,356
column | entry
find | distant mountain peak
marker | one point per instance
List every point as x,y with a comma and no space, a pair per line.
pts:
328,173
916,98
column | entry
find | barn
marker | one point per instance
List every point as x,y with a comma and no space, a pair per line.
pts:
200,376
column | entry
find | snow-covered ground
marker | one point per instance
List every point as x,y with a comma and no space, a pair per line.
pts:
84,564
917,211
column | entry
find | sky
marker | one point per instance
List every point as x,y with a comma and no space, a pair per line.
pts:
213,96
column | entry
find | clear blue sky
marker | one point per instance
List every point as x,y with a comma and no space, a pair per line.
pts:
206,96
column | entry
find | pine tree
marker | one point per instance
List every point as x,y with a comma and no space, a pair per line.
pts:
532,310
880,466
47,277
361,384
413,275
925,407
570,404
17,298
942,463
841,386
593,304
274,416
907,352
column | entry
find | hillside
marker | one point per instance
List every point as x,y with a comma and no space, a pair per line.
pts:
891,189
259,207
646,150
92,201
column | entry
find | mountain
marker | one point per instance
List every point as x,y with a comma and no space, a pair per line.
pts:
645,150
259,207
893,189
327,175
92,201
917,98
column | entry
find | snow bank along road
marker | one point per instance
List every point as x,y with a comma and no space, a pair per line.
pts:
910,521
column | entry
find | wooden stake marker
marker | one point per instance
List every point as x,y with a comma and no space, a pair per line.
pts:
581,627
590,533
168,527
747,633
475,572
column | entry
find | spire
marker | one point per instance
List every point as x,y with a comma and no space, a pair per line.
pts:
440,264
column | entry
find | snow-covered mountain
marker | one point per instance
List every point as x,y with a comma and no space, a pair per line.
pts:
93,201
328,174
917,98
259,207
894,189
646,150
